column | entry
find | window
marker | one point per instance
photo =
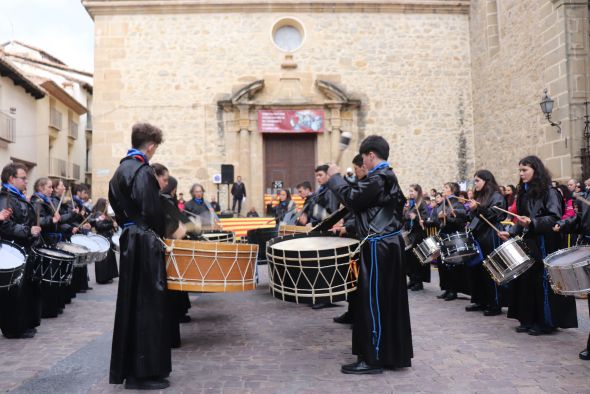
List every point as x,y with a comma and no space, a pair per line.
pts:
288,34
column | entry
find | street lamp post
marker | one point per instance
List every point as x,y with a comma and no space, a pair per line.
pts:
547,107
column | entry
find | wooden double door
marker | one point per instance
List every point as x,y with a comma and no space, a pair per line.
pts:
290,158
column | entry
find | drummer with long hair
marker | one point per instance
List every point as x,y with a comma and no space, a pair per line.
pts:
485,296
415,213
539,206
286,210
105,270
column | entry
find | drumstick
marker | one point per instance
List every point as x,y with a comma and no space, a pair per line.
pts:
60,201
419,217
464,199
508,212
84,221
489,223
451,206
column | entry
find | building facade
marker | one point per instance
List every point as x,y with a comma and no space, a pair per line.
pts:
454,86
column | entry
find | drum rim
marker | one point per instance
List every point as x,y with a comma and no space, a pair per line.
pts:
13,244
316,234
546,260
455,234
36,251
505,244
71,243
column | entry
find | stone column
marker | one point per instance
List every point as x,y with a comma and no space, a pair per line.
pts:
335,122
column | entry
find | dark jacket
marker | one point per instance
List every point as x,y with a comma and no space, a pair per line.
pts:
544,212
456,218
416,232
238,190
201,210
18,227
45,214
482,232
579,223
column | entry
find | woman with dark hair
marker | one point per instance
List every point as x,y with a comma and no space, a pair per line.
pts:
510,195
285,212
539,206
104,224
414,214
451,217
484,293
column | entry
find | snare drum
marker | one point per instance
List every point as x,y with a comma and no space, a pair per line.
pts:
457,248
428,250
81,252
211,266
89,243
12,264
217,236
569,270
406,238
53,266
508,261
312,268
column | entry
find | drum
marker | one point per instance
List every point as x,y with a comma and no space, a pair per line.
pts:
53,266
285,229
81,252
569,270
115,239
260,236
428,250
104,245
406,238
217,236
312,268
457,248
508,261
12,264
211,267
89,243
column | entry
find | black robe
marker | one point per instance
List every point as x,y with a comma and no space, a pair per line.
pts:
106,269
382,301
202,210
533,301
417,272
20,306
141,345
484,290
453,278
321,205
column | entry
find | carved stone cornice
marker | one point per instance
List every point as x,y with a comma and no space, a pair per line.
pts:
115,7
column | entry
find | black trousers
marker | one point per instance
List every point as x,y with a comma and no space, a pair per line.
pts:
588,344
239,202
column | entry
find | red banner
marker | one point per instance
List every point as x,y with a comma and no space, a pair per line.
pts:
291,121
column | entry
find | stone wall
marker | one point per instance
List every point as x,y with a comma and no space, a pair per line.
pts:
411,72
518,48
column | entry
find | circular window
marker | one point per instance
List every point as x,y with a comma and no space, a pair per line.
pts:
287,34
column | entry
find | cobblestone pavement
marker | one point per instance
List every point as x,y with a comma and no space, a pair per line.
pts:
252,342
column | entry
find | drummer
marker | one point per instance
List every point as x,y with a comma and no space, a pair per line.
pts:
382,335
580,224
485,295
20,309
305,192
325,202
415,212
106,270
200,208
51,295
539,206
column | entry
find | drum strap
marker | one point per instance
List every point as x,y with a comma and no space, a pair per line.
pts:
374,288
546,307
478,259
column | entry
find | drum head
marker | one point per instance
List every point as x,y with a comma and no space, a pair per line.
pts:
313,243
10,257
104,243
72,248
569,257
54,253
88,242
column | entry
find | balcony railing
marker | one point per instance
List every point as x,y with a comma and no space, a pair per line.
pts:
55,118
58,168
7,127
73,129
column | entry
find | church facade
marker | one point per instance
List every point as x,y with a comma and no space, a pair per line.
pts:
270,86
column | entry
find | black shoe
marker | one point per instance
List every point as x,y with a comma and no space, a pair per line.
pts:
584,355
474,308
146,384
538,330
451,297
82,291
361,368
343,318
492,311
89,288
184,319
522,328
417,287
30,333
322,305
443,295
411,284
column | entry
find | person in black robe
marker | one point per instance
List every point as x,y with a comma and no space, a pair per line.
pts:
534,304
80,277
381,333
415,214
485,294
579,224
51,293
141,354
305,192
20,306
451,217
105,270
324,202
200,208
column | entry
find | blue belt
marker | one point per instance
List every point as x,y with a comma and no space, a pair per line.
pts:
129,224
